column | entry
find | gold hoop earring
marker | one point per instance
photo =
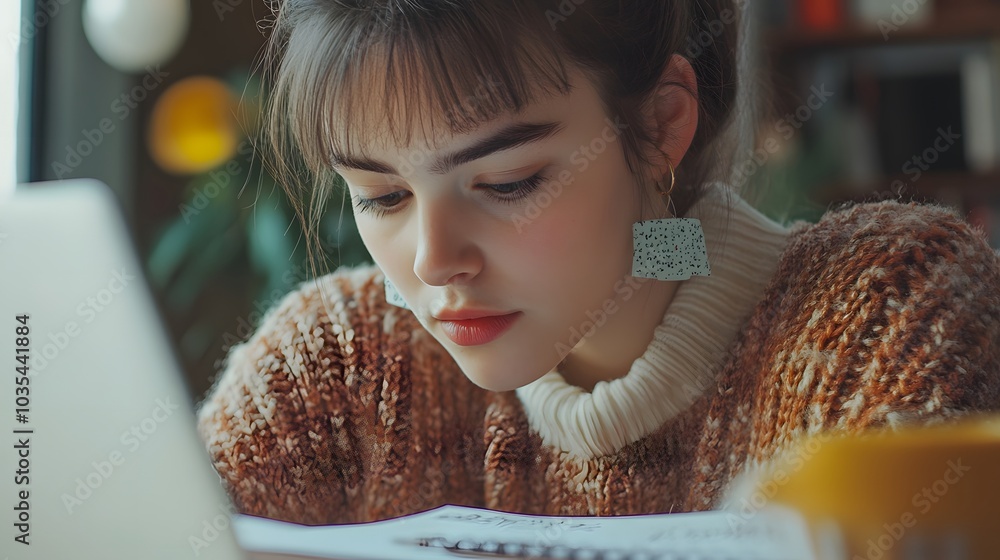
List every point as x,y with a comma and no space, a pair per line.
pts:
673,181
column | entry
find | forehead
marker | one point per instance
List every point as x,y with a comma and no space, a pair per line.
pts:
383,118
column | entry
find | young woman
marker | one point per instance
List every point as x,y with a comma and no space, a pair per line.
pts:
572,310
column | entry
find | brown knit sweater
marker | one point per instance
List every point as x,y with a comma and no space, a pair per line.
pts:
880,314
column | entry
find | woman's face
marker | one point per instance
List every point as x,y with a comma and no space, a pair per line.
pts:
550,241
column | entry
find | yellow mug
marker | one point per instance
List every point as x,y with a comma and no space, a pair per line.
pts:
930,492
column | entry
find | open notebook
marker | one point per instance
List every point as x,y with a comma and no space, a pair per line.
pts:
451,531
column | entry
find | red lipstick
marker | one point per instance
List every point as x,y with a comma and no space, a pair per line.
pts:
473,330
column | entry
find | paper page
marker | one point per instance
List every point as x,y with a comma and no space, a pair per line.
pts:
774,533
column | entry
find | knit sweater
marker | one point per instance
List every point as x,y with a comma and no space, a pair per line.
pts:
343,408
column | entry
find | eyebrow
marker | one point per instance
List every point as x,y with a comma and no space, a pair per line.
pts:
511,136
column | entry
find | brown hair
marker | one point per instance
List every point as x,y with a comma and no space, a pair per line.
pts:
459,63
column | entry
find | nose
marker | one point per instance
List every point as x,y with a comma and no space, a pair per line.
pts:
446,252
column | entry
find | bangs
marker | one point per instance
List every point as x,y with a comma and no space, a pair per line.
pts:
361,78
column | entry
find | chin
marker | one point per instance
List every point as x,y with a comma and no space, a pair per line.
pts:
504,364
499,376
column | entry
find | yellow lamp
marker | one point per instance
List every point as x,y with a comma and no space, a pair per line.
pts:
193,127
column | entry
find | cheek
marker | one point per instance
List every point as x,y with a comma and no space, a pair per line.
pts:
385,251
545,249
371,239
582,237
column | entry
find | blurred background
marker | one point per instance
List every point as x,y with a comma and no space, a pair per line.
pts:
871,99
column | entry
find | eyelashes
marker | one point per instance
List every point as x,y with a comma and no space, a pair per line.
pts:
378,206
507,193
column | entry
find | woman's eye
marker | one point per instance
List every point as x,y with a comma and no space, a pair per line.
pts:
514,192
504,192
379,206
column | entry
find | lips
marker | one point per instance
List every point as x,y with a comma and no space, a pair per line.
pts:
476,331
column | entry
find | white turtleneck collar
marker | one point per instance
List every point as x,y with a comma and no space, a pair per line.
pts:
688,347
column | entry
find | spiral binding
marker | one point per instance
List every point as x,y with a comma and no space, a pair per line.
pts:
495,549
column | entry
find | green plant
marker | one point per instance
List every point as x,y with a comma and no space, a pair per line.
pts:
236,231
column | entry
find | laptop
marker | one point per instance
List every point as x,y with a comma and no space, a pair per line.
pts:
100,456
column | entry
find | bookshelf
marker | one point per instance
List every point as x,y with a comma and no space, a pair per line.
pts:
968,24
897,81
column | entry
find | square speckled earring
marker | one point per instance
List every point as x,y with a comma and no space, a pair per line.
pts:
392,296
669,249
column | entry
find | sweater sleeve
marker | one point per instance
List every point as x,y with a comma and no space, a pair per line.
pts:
893,320
313,420
932,344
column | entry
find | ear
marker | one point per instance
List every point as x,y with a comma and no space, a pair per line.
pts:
672,112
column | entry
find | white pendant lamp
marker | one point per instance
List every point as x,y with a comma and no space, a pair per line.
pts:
133,34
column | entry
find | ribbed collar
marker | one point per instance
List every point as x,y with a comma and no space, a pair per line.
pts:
689,346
